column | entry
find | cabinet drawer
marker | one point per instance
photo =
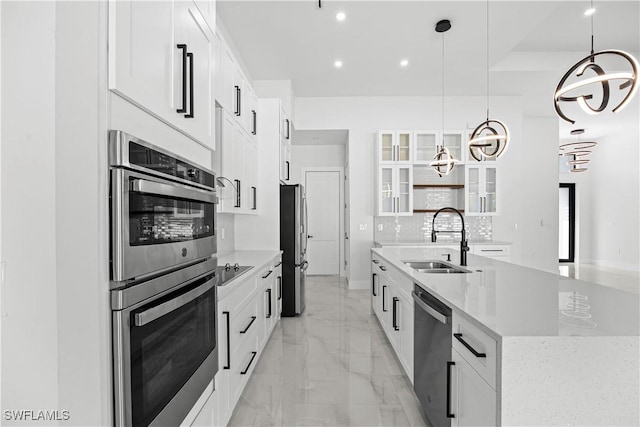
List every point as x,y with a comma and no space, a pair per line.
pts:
245,360
467,339
492,250
245,324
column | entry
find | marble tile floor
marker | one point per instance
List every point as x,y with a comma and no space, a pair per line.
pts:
620,279
332,366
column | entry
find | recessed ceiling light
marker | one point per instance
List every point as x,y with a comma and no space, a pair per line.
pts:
338,64
404,63
341,16
590,11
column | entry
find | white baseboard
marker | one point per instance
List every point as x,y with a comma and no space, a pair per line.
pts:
612,265
359,284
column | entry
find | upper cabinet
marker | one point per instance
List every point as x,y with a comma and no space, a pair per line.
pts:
285,147
234,92
481,190
395,147
161,58
426,145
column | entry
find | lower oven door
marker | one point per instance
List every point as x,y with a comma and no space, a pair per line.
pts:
165,355
157,225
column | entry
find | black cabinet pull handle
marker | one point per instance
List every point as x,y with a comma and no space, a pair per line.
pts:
449,365
373,285
253,356
255,122
267,275
383,268
184,78
468,346
395,312
228,365
288,129
384,288
269,313
287,170
190,58
278,264
279,288
237,112
254,192
244,331
375,261
237,181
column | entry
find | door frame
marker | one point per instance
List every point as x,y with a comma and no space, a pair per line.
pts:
572,222
340,170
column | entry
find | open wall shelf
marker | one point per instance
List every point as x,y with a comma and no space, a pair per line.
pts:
452,186
430,210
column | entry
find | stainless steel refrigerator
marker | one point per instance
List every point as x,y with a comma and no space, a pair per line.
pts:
293,243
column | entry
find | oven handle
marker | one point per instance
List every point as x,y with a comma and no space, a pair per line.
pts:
158,311
153,187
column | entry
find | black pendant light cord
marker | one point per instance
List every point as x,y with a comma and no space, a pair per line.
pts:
442,90
592,51
487,60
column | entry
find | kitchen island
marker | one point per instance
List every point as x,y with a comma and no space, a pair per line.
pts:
566,352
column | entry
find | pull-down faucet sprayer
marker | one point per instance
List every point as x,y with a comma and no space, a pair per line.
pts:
464,248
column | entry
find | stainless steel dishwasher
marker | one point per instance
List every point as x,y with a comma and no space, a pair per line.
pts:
432,356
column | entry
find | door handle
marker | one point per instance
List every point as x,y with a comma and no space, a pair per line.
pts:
237,112
190,58
449,365
395,312
238,199
255,122
228,365
468,346
373,284
269,294
184,78
253,356
384,288
309,236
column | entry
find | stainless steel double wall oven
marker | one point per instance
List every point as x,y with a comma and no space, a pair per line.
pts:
163,283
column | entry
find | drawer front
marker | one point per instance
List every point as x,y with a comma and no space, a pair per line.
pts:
245,360
467,339
245,324
237,292
492,251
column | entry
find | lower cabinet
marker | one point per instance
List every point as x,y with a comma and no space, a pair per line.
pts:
392,304
244,327
473,400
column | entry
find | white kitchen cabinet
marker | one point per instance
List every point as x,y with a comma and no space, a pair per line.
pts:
427,143
395,190
404,325
239,154
481,190
278,276
395,147
473,400
285,160
161,59
208,10
500,252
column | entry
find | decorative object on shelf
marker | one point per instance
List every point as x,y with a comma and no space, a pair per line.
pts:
629,80
443,162
490,138
577,151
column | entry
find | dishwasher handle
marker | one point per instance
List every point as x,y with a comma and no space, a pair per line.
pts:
433,312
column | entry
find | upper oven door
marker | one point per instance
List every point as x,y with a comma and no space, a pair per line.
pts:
158,224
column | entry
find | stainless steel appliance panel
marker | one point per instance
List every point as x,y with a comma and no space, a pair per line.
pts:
432,353
165,353
293,241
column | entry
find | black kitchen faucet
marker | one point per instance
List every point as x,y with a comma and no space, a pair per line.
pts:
464,248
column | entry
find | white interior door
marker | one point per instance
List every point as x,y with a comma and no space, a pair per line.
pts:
323,206
346,222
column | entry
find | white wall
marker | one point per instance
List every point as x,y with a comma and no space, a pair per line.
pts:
363,116
306,156
29,330
608,196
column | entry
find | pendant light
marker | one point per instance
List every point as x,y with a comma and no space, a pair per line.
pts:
490,138
629,80
577,152
443,162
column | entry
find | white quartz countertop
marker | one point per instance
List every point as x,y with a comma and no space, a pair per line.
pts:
252,258
509,300
439,243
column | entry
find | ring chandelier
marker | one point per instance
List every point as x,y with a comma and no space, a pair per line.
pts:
443,162
491,137
577,152
577,91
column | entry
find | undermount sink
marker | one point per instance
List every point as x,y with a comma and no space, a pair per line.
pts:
435,267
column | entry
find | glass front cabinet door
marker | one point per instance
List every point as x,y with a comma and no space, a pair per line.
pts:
395,190
481,190
426,144
395,147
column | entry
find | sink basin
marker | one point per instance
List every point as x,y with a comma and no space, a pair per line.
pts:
435,267
426,265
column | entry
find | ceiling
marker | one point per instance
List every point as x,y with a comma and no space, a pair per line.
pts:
531,43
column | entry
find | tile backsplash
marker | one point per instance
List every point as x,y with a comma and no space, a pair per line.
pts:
417,228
